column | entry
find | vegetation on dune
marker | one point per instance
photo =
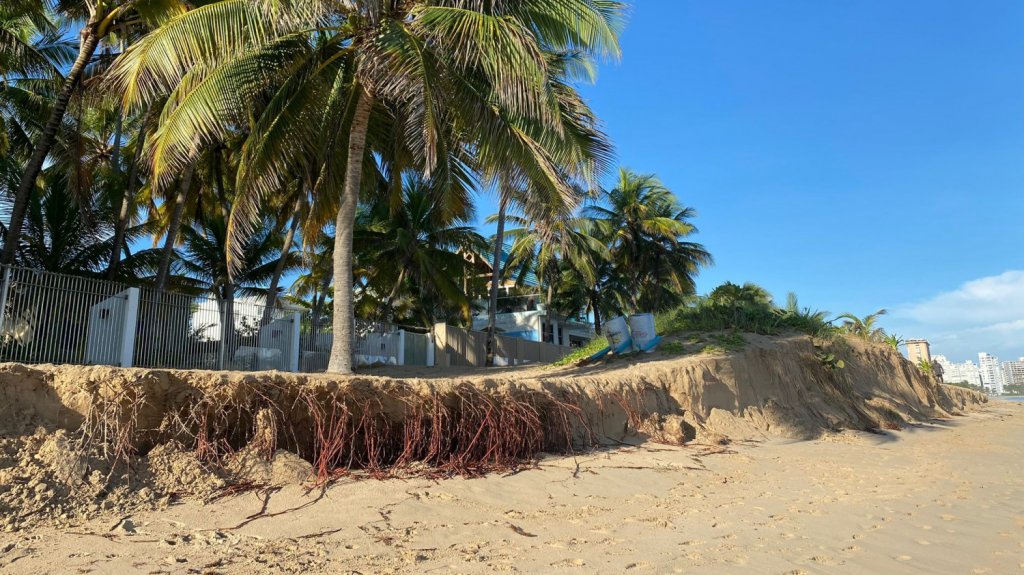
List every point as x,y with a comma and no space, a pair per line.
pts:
743,308
582,353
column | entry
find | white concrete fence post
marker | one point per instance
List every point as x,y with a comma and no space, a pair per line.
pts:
294,352
401,347
129,327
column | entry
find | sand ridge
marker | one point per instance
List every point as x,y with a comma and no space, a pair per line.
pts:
937,497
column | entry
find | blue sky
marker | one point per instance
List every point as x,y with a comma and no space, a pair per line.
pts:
863,154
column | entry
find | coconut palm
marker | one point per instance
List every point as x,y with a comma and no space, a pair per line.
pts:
585,155
547,244
205,266
345,83
97,19
646,230
863,327
417,251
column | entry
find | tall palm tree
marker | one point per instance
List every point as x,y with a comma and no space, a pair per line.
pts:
97,18
646,230
584,153
340,81
205,264
548,243
417,251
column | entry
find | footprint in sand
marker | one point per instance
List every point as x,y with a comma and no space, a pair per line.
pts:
903,558
569,563
948,517
823,560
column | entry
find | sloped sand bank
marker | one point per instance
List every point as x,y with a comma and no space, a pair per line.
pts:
83,441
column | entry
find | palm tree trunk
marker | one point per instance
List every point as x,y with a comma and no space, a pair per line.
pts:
548,321
594,298
492,305
86,48
279,268
229,326
344,319
385,314
115,155
163,272
124,215
222,195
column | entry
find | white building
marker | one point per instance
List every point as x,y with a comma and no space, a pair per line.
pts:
533,323
1013,372
991,373
966,372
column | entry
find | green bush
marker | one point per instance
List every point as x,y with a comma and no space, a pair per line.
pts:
672,347
742,309
584,352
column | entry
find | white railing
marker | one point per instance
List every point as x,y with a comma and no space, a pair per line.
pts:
54,318
375,343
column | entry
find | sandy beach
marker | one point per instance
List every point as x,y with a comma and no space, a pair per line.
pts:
939,497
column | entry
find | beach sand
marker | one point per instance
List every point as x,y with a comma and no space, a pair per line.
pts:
946,496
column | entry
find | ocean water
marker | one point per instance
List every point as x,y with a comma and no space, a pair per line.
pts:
1018,398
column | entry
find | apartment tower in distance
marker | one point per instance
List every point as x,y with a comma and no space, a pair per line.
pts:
991,374
918,349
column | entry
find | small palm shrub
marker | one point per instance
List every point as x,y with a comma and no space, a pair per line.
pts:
746,308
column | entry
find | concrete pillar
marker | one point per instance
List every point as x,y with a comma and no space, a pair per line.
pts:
294,352
129,327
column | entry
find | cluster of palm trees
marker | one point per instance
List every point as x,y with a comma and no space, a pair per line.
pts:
343,139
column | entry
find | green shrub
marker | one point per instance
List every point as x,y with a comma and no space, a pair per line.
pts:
744,308
584,352
672,347
730,341
713,349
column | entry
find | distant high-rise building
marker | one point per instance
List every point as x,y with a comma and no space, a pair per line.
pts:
1013,372
991,373
966,372
918,349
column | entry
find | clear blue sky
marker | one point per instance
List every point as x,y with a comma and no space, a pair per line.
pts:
863,154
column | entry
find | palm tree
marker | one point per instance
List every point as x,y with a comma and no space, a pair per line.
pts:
312,288
548,243
863,327
98,18
584,154
426,78
894,341
417,250
205,265
646,230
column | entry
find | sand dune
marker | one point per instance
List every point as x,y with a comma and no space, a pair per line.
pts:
764,459
939,497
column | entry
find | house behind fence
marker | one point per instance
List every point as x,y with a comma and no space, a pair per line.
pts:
54,318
